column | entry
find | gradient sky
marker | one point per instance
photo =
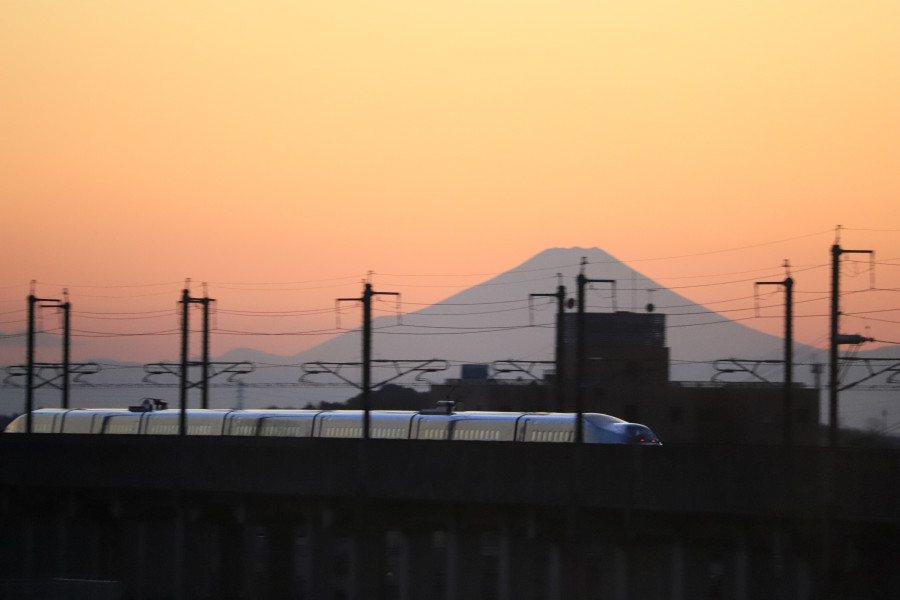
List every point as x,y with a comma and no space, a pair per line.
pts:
302,144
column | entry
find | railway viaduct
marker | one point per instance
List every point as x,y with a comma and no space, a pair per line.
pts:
120,517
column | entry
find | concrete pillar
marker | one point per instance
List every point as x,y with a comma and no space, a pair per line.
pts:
416,554
157,570
201,557
365,547
28,549
556,572
678,578
620,561
741,567
62,542
231,539
179,576
279,560
303,574
320,558
803,580
517,565
140,566
463,568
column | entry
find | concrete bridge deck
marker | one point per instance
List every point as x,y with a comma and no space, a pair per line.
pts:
196,517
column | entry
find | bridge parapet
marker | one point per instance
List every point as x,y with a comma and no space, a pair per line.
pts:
858,485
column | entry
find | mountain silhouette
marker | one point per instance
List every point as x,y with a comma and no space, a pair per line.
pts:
496,320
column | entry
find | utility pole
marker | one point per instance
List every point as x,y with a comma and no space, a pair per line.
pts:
186,302
29,373
183,384
835,337
67,345
204,396
582,281
560,296
788,284
366,300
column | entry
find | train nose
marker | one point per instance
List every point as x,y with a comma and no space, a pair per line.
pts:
643,436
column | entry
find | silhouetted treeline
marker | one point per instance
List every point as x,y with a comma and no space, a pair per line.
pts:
388,397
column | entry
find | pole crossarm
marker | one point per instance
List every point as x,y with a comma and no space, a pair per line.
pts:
49,374
331,368
401,367
729,366
511,365
890,365
407,366
231,369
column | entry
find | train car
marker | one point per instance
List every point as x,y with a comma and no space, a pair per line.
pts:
597,428
59,420
483,426
285,423
198,422
383,424
47,420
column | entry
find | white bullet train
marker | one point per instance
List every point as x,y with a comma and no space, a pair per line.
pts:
383,424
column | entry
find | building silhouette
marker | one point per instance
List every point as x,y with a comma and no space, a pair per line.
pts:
626,374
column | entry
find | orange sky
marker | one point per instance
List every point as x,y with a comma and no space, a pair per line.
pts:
292,142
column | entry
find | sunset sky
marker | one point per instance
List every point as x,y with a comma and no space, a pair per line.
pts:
282,150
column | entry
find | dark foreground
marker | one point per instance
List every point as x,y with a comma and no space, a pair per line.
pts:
162,517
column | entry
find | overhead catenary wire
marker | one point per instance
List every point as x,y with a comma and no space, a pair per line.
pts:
230,317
